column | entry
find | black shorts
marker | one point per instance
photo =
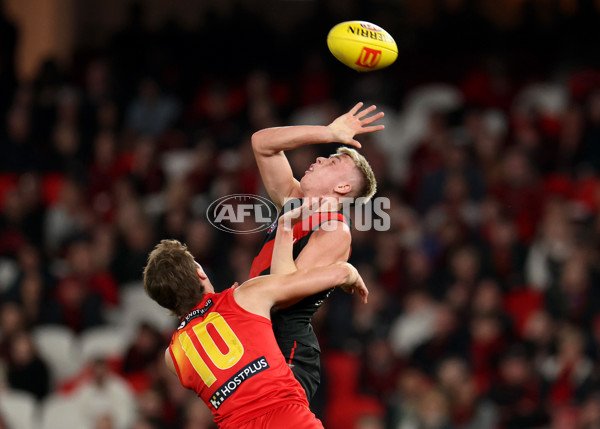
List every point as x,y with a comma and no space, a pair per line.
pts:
305,363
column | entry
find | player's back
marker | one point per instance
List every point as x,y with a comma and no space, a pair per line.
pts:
231,359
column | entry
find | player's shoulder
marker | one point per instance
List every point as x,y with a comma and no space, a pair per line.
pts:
252,296
210,302
333,229
223,297
331,238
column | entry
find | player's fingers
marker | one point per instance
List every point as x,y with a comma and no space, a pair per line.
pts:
356,107
362,292
355,143
371,119
365,112
371,129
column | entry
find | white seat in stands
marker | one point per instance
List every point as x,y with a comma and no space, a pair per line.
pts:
18,409
59,348
61,412
103,342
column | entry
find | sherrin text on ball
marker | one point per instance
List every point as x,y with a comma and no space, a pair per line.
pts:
362,46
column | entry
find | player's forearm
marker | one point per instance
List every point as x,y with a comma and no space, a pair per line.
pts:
271,141
282,261
305,283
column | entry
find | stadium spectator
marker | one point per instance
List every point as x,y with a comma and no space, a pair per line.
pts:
25,370
144,351
105,400
151,112
518,392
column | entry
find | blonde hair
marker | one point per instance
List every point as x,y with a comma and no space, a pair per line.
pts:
370,183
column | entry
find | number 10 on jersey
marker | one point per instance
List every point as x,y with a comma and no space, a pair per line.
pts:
218,358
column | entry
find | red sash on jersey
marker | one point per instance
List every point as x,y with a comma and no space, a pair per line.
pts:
300,230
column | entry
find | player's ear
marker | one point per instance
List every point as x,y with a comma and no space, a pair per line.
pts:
201,274
200,271
343,188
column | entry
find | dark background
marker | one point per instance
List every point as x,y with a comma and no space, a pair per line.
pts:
122,121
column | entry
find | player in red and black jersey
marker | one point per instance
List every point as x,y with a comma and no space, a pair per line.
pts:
321,239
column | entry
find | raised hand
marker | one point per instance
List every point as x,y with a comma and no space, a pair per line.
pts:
353,123
308,207
292,217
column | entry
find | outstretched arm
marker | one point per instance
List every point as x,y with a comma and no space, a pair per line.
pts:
260,294
288,285
270,143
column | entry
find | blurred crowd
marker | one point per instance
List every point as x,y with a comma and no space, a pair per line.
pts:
484,294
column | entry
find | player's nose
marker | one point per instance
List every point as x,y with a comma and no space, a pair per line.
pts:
320,160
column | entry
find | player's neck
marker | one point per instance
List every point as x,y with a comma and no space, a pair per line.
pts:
332,205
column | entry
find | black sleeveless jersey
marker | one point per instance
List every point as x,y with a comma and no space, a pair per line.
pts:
291,325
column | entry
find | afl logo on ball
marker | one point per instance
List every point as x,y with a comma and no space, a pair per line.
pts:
368,58
370,27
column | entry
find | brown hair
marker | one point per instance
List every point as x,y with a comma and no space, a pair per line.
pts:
369,182
171,279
